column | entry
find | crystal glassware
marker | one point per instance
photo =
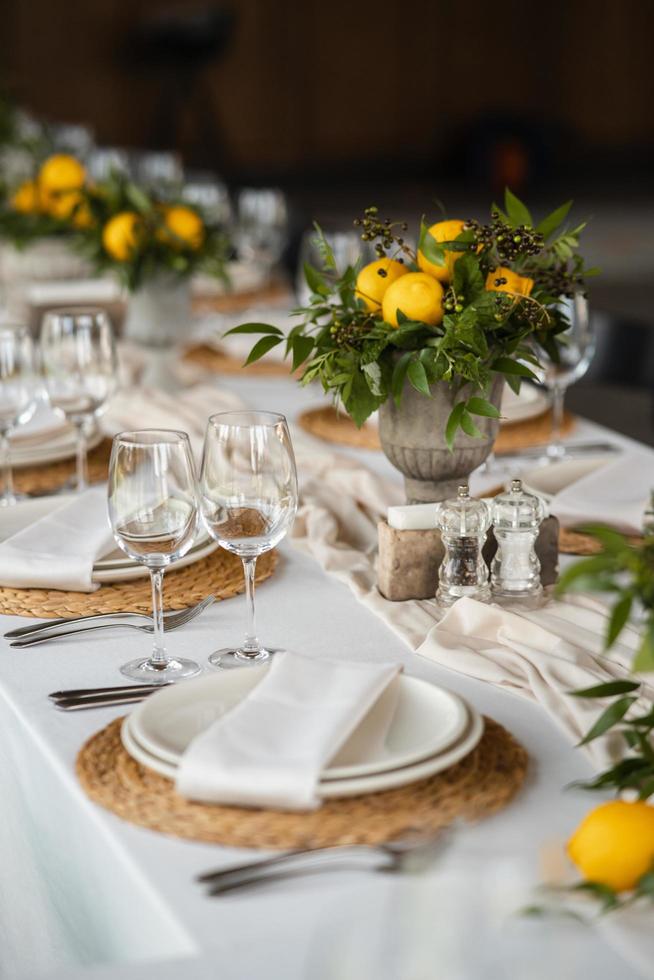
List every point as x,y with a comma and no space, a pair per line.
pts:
248,498
153,510
577,347
261,225
463,523
78,360
18,395
515,569
346,248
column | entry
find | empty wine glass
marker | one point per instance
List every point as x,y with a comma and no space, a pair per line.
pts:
346,247
153,510
18,395
78,360
261,225
248,499
576,350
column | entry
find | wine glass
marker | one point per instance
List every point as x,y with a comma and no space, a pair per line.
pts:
78,360
18,394
261,225
576,350
248,499
346,247
153,510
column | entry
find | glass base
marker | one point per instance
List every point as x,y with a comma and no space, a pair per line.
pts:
8,500
229,658
149,672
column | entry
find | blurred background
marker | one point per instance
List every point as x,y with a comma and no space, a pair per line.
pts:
346,104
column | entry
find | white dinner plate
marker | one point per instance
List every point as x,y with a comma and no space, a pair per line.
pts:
530,403
425,720
548,480
114,567
337,788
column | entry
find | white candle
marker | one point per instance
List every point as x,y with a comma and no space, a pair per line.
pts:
413,517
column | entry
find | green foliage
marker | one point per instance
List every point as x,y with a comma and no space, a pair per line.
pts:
483,334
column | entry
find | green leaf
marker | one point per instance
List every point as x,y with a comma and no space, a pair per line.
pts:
137,198
586,568
373,375
262,347
453,423
430,247
315,281
606,690
506,365
302,347
549,225
612,541
324,248
418,377
604,894
255,328
644,659
361,402
480,406
399,374
469,426
619,616
609,718
517,211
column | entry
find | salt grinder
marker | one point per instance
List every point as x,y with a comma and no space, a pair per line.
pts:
515,570
463,523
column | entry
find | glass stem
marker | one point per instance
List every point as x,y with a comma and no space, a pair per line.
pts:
251,646
7,495
159,643
555,447
82,476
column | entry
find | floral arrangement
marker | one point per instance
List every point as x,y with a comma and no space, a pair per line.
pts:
51,202
473,301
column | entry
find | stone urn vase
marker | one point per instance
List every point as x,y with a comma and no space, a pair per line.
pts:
413,439
159,313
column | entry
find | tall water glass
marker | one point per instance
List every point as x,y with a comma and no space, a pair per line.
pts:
261,225
153,509
577,347
18,395
78,359
248,498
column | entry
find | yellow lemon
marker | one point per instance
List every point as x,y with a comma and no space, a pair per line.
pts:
121,234
70,206
186,226
442,231
371,285
61,172
522,285
417,295
27,198
614,844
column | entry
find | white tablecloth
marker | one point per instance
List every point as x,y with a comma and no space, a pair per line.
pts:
84,894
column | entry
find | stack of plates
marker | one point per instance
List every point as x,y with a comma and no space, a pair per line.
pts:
46,438
431,730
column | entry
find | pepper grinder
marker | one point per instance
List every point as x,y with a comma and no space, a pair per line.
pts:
515,570
463,523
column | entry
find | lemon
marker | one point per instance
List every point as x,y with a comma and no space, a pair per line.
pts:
61,172
614,844
70,206
371,286
120,235
522,285
27,198
417,295
186,226
442,231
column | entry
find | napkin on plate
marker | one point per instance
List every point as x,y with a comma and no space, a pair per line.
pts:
270,750
58,551
616,494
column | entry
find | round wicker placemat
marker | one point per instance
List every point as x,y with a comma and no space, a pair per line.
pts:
482,783
220,574
219,362
333,426
577,543
52,476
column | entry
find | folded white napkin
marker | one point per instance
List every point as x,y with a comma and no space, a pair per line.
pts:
58,551
270,749
614,494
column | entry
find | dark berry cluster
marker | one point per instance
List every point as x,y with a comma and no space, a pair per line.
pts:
509,243
348,334
450,302
374,228
561,281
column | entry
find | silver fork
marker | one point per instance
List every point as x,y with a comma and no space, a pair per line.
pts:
413,852
60,628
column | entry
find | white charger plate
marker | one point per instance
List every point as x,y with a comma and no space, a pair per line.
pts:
530,403
548,480
338,788
424,720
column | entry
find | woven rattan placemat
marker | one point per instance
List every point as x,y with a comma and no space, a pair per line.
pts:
481,784
53,476
219,574
333,426
219,362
